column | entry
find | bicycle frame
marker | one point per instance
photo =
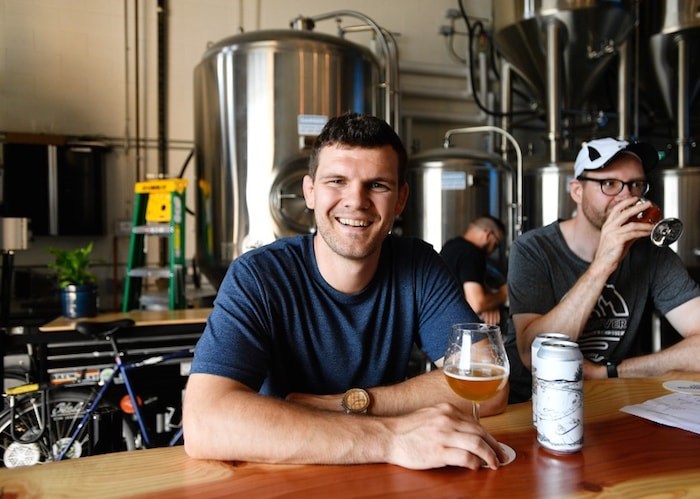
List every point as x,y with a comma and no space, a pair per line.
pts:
123,368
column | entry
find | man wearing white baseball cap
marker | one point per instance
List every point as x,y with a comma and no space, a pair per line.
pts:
593,275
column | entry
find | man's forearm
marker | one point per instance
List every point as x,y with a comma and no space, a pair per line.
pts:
426,390
421,391
480,298
683,356
238,425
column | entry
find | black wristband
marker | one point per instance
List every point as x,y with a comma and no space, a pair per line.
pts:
612,369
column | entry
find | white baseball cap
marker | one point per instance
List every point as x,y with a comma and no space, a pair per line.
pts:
599,153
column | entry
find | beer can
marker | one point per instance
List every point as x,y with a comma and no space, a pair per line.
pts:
537,342
560,396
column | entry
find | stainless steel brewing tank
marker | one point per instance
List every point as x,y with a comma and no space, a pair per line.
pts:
260,100
448,188
589,33
546,196
676,190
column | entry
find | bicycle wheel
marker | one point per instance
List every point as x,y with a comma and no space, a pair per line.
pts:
33,446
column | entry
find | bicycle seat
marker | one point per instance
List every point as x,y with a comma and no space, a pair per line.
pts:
102,329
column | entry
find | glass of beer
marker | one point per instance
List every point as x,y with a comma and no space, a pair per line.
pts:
666,231
476,365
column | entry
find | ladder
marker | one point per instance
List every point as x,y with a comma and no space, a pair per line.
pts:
159,211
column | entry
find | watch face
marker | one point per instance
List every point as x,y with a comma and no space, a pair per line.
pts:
356,400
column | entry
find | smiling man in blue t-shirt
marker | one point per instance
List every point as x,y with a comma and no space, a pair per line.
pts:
306,327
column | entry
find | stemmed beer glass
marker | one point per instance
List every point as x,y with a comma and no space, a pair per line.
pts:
476,365
666,231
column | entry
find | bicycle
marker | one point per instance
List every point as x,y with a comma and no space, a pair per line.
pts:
42,427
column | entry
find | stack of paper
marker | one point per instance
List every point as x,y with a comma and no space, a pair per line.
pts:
679,410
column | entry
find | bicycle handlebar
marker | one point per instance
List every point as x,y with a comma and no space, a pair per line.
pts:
97,329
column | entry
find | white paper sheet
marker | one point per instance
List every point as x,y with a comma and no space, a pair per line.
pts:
679,410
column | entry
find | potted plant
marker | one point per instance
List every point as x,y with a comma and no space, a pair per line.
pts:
77,282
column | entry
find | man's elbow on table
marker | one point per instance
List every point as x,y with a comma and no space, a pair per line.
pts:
204,431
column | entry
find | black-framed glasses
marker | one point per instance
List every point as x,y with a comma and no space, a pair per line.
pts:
613,186
491,233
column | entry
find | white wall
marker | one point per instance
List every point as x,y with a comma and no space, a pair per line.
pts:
68,67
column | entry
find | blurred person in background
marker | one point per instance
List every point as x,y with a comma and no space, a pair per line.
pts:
467,257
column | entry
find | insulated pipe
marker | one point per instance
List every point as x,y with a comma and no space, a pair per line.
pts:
390,66
137,91
484,84
127,109
506,103
162,87
518,187
433,70
553,90
623,92
682,103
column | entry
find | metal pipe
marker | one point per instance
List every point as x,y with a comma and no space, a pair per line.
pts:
53,189
683,123
390,66
127,110
506,103
518,205
433,93
439,117
484,84
162,64
137,90
393,56
635,88
623,91
437,70
553,90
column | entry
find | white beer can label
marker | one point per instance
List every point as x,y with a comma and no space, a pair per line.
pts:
560,396
534,348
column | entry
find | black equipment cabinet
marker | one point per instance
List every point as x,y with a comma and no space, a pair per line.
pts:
56,182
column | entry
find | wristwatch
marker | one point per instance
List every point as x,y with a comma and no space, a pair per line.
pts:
612,369
356,401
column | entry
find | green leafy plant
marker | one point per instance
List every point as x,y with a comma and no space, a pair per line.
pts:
73,266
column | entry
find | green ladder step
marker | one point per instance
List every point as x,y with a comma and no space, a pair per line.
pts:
159,211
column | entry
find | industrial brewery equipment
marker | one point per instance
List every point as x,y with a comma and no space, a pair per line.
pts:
675,49
261,98
450,187
560,50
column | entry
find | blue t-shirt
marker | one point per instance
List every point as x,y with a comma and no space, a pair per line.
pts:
279,327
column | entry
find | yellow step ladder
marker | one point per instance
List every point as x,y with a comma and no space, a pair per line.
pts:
159,211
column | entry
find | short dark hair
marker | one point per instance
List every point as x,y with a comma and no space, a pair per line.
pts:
490,222
358,130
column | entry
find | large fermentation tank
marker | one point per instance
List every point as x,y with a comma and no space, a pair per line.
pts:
675,49
546,197
676,190
450,187
588,33
260,100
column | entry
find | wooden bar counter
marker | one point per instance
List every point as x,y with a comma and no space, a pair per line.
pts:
623,456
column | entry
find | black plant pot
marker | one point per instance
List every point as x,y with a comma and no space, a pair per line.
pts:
79,301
